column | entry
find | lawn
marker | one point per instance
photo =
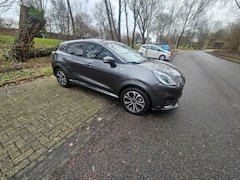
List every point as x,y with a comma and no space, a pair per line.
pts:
38,42
12,72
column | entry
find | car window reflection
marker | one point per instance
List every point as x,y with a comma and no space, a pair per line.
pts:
97,52
76,49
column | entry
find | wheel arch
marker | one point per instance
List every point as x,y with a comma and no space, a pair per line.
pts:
138,85
58,65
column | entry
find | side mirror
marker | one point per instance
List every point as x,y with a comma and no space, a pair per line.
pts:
110,60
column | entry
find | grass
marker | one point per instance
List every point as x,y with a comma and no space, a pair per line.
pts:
46,43
38,42
24,74
7,39
14,72
186,48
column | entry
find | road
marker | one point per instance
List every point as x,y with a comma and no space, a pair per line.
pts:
50,132
199,140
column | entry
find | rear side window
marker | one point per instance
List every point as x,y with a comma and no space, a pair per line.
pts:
74,48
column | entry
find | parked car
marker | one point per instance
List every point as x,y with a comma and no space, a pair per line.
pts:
165,47
155,52
116,69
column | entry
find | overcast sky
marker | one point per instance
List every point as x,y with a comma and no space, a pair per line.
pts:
223,14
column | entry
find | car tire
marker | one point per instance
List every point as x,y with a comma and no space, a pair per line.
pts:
135,101
62,77
162,58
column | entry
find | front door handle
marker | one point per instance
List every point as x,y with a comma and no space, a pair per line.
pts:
88,64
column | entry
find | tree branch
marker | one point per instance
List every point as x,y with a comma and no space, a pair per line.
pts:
238,4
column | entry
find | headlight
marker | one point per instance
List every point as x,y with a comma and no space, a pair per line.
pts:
164,79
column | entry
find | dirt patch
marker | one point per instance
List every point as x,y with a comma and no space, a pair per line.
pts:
228,55
11,66
12,72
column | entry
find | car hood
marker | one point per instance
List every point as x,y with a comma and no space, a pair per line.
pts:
161,66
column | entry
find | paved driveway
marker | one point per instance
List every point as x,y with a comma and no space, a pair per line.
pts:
38,117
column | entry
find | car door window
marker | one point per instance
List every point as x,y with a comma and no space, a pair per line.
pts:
75,48
97,52
154,48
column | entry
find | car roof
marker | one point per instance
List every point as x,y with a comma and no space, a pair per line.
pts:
99,41
149,44
152,45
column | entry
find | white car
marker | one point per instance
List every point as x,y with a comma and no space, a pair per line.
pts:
155,52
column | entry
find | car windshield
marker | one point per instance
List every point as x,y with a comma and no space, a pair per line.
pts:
128,54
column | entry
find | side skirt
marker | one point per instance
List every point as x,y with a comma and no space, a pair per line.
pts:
93,88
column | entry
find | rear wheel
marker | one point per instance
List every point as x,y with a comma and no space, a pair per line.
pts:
162,58
135,101
62,77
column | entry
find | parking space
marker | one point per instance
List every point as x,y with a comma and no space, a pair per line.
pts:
38,117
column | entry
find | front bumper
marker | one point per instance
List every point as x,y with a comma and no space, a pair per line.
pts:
166,98
169,107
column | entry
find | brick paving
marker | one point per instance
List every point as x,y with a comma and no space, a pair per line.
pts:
40,116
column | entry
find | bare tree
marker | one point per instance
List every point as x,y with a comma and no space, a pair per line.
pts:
133,6
109,12
72,19
83,26
173,12
207,29
7,23
60,16
238,4
111,20
126,16
100,17
145,17
5,5
161,26
39,4
119,19
190,11
234,36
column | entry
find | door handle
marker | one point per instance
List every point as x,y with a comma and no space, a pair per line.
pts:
65,59
88,64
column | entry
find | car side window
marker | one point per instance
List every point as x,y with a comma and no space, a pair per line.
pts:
154,48
97,52
145,47
75,48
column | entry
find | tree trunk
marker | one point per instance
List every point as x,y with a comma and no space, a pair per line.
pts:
133,36
72,19
109,19
28,28
126,16
119,19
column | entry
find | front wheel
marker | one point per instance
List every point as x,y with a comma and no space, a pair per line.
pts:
135,101
62,77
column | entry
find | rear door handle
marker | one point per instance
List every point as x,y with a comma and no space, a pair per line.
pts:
65,58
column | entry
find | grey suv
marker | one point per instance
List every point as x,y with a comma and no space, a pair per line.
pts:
116,69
